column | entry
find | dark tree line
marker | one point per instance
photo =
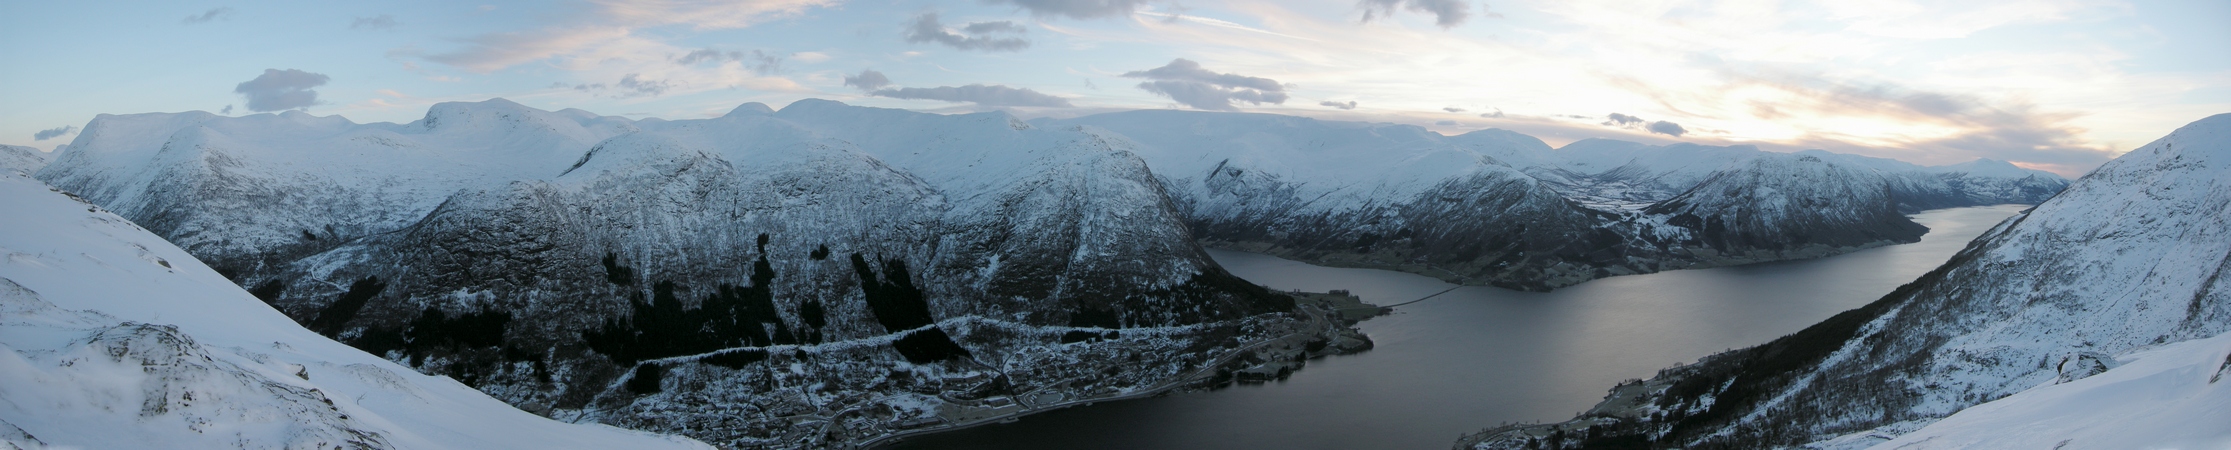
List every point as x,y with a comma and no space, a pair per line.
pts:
730,316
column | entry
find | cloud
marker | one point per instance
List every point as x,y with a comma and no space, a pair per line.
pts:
280,90
205,17
52,133
1446,13
226,111
1076,9
759,62
1446,123
987,95
380,22
634,86
609,28
1351,104
629,86
868,80
810,57
1498,114
495,51
926,28
1452,109
1951,127
1187,83
1636,123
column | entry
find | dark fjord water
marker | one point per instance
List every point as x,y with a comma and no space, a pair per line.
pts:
1479,356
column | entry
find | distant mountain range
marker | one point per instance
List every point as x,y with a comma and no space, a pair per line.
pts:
828,273
2094,320
1502,208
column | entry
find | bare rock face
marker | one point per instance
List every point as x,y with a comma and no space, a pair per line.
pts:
2127,258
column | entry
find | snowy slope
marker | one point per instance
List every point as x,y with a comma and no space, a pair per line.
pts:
2175,396
114,338
22,159
2125,260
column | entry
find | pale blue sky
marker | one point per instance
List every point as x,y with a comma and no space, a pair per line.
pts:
2060,85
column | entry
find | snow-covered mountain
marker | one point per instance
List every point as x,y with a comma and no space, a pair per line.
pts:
1502,208
249,192
1375,195
21,159
111,337
671,275
1786,206
2114,279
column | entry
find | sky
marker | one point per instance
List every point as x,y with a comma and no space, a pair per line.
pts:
2059,85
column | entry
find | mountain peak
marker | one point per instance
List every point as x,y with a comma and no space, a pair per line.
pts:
751,109
810,104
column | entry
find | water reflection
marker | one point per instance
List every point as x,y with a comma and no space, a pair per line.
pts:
1478,356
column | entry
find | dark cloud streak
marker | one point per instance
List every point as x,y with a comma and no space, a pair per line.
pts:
758,62
1185,82
380,22
280,90
926,28
868,80
207,16
52,133
1446,13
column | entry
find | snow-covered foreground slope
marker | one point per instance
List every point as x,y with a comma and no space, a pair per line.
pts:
111,337
2125,260
2175,396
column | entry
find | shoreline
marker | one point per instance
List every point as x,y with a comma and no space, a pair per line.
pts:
1319,326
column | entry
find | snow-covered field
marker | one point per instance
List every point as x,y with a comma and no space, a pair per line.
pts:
2175,396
